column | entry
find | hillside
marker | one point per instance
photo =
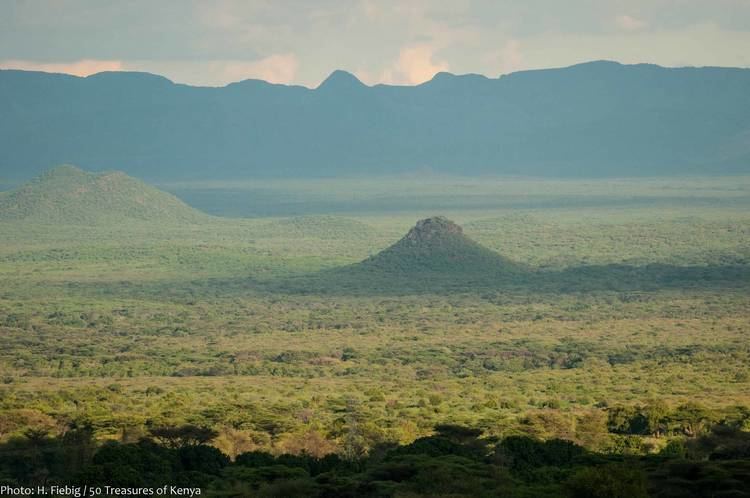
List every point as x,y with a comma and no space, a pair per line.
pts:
437,246
434,256
70,196
598,119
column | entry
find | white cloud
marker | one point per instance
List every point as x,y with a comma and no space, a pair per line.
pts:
415,64
371,9
508,58
82,67
630,23
277,68
512,59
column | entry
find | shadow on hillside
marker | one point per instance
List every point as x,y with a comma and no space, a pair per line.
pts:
355,280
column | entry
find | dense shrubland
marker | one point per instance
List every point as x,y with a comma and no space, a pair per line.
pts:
310,384
452,461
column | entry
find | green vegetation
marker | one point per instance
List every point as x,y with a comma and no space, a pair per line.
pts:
454,461
621,331
71,196
437,246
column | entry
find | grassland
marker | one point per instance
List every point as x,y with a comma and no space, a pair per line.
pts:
135,325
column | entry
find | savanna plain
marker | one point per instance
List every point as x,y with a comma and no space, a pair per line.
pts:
249,327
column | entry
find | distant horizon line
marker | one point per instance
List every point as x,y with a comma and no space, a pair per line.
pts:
339,73
7,184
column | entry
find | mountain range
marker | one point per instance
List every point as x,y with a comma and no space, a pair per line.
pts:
597,119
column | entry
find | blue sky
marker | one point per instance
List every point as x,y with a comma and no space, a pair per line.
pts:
389,41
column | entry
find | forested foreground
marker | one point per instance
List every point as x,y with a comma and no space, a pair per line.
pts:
455,461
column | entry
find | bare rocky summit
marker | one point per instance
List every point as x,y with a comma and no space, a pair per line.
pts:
433,228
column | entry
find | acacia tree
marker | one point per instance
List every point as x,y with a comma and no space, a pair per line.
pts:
591,430
692,419
182,436
655,414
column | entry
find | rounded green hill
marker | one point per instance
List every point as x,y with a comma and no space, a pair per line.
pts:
70,196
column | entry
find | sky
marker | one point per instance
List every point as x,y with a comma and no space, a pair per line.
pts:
404,42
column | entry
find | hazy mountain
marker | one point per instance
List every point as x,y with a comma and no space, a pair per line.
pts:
68,195
593,119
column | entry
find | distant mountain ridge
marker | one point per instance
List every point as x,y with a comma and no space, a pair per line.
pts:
67,195
598,119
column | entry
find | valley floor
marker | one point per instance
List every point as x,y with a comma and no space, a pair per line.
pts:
132,327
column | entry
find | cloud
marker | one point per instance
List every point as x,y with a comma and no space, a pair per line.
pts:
83,67
415,64
371,9
512,59
629,23
697,45
277,68
212,43
508,58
